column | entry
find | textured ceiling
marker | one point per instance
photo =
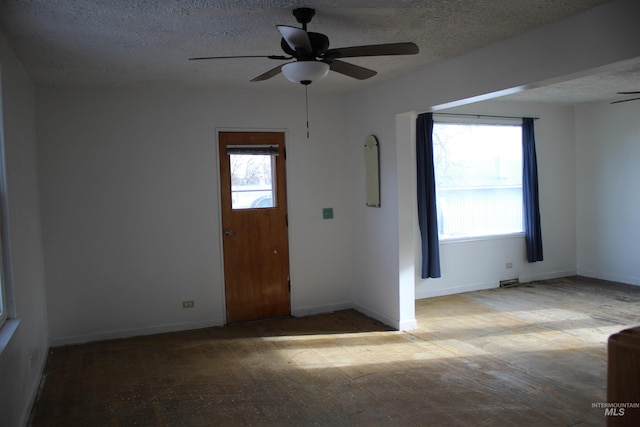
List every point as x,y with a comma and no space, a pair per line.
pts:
602,86
147,42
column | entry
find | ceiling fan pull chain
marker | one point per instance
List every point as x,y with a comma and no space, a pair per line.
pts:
306,101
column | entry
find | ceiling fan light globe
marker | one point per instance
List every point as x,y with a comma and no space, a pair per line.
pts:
305,72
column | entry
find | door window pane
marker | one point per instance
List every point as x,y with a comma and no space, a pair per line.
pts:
252,181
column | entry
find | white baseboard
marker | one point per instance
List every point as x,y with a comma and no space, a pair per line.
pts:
547,276
430,293
394,323
629,280
401,326
407,325
80,339
320,309
35,389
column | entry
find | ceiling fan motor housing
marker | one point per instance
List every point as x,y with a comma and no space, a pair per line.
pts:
319,45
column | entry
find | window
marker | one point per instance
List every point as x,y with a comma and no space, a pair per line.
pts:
252,180
478,172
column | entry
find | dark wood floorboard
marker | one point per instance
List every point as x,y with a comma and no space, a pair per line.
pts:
532,355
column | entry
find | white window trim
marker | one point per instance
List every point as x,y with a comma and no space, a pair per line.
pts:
478,120
7,330
452,240
8,323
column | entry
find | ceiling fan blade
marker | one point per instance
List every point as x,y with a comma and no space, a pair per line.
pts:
282,57
350,70
271,73
625,100
296,38
373,50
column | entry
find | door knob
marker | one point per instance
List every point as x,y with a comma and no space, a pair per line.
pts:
228,232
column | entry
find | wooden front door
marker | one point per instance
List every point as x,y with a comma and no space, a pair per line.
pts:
254,225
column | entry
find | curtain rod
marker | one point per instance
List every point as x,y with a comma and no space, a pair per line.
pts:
482,115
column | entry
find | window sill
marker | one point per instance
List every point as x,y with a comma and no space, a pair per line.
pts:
481,238
7,331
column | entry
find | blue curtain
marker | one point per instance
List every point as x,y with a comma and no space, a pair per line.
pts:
427,197
532,230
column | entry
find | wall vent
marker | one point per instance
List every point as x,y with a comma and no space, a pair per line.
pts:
509,283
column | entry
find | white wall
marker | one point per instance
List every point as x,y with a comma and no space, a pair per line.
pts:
608,199
130,204
375,230
23,359
559,51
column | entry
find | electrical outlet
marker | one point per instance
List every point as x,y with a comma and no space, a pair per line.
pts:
509,265
188,304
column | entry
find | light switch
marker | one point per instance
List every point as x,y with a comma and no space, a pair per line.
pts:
327,213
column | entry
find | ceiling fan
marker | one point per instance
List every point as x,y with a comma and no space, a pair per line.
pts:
628,99
312,57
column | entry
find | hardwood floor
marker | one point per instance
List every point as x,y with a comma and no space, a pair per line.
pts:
532,355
